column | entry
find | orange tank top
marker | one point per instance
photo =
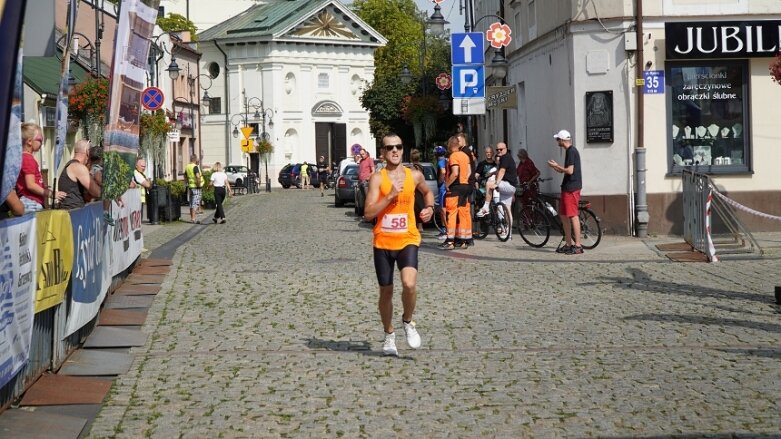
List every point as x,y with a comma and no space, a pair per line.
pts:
396,227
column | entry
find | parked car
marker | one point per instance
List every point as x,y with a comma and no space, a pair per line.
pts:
290,175
286,177
345,192
237,175
429,173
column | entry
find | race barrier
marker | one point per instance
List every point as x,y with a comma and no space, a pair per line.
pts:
56,268
702,202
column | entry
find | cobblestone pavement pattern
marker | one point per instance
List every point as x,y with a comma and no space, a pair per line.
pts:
267,327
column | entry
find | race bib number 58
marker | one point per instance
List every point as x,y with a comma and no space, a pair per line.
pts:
395,223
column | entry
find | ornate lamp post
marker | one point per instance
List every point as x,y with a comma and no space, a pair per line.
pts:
261,114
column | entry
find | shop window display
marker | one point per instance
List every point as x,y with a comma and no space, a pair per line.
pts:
708,113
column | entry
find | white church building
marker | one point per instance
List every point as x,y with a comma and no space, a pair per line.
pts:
294,70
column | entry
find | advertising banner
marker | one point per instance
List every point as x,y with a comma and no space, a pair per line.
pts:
90,276
126,239
62,96
11,13
128,80
17,290
55,257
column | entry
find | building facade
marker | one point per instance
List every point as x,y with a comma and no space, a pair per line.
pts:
707,99
294,72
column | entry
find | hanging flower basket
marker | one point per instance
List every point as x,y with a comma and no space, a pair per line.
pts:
775,69
89,98
264,147
73,125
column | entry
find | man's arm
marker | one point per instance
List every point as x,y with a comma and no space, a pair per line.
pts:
453,175
14,203
86,180
374,204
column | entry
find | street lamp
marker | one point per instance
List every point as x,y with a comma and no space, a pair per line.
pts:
261,113
156,54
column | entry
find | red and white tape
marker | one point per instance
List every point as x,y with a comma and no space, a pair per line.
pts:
739,206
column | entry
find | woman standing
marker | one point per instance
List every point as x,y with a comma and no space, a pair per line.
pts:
29,185
221,188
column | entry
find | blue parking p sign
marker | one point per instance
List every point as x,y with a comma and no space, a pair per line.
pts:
469,81
653,82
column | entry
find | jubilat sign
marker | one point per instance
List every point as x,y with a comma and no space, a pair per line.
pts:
723,39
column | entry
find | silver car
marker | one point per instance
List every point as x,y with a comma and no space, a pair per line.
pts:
345,185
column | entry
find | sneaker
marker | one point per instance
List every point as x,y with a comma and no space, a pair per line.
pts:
564,249
575,250
413,338
389,346
442,236
215,220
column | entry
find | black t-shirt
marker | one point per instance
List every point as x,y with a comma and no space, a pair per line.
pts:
507,163
483,167
572,182
322,168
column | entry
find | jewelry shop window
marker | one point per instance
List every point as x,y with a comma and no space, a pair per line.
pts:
708,116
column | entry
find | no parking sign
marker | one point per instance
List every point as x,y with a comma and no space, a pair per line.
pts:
152,99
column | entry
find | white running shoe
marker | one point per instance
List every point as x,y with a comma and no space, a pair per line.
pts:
413,338
389,346
482,212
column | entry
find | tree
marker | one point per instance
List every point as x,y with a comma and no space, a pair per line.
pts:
177,23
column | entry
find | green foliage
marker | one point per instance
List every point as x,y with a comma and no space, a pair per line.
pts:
398,22
207,193
117,174
264,147
384,99
177,23
176,188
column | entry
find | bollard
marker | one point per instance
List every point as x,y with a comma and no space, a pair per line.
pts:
778,295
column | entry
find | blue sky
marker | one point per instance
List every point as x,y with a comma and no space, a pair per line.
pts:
449,10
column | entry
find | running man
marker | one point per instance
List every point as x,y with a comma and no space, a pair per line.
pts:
391,200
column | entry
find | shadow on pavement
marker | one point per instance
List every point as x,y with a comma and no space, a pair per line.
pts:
358,347
640,282
700,320
759,352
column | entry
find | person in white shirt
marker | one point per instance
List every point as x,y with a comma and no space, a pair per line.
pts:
221,189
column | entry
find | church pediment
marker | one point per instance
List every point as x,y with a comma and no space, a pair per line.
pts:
327,108
333,22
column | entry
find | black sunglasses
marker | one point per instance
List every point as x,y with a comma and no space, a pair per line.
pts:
398,146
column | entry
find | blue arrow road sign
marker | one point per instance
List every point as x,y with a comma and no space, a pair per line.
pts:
467,48
469,81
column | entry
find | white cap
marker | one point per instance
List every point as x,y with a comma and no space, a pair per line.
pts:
563,134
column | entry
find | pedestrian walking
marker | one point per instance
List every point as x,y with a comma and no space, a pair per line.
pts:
222,188
194,184
571,185
391,200
322,174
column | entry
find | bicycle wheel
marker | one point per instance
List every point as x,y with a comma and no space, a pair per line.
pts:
479,224
534,226
436,219
502,225
590,229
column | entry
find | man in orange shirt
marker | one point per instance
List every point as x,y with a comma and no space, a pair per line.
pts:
391,200
459,219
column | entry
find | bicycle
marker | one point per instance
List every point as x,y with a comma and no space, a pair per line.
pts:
498,217
535,219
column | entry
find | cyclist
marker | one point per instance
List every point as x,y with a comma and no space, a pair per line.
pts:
439,152
571,185
506,181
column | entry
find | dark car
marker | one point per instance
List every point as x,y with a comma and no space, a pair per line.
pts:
290,176
429,173
344,192
286,177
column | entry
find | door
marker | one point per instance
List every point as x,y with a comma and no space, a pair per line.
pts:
331,141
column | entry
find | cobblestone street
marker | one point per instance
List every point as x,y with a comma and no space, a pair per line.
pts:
267,326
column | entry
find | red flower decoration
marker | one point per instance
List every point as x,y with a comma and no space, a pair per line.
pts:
499,35
444,81
775,69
